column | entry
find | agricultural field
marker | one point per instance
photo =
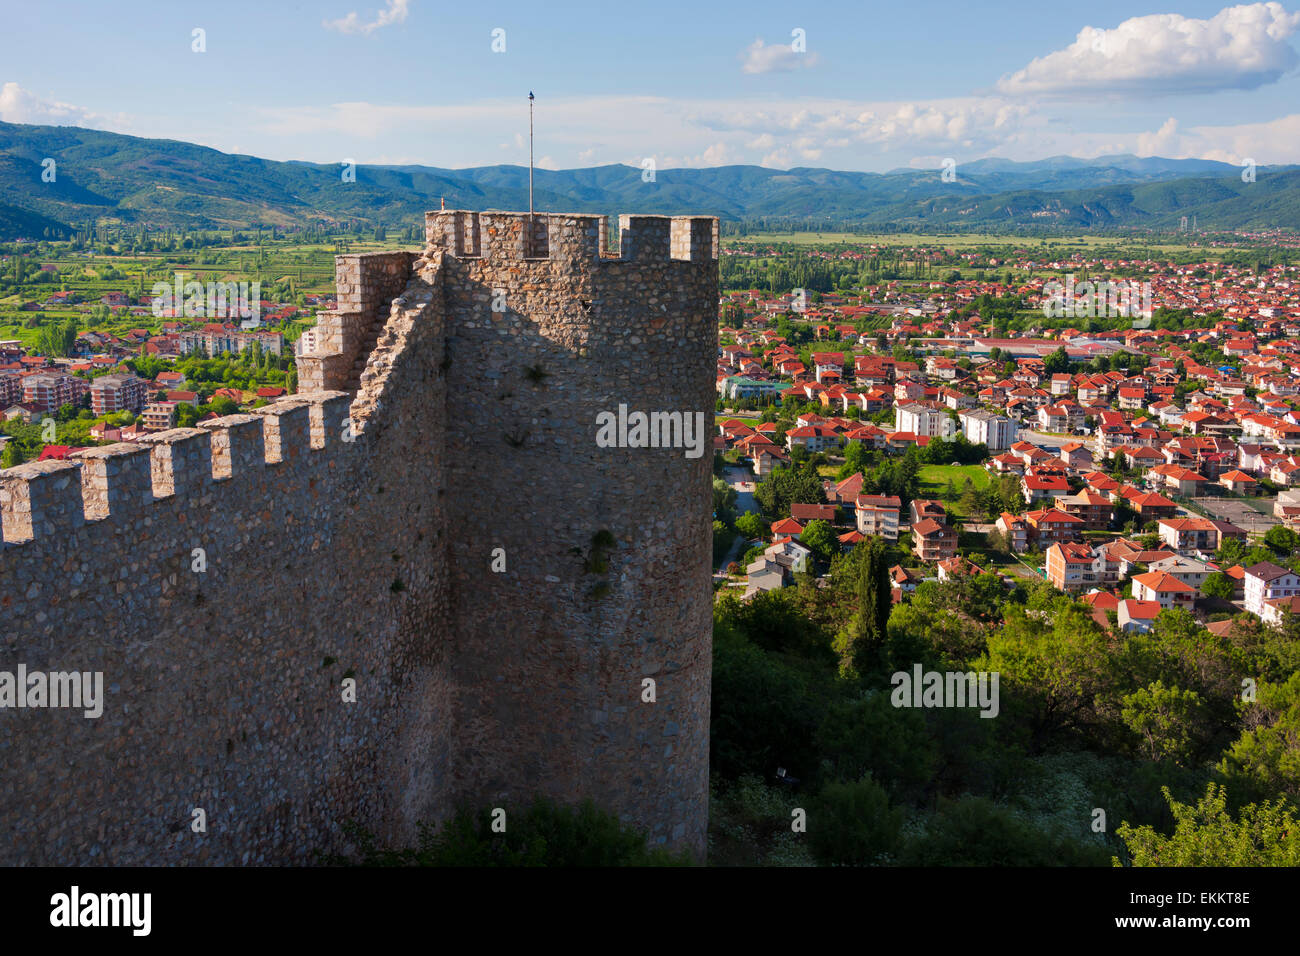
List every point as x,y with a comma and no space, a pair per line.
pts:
287,271
960,240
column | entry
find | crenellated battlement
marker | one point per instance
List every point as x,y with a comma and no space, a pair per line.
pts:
50,499
570,237
408,522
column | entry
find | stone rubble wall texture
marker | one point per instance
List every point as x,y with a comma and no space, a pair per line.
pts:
362,549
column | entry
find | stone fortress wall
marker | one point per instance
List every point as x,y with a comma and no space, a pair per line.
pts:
448,410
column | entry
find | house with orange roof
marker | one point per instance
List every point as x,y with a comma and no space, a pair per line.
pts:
1039,487
934,541
1135,615
1151,506
1051,525
1165,589
786,528
1092,508
1015,530
1238,482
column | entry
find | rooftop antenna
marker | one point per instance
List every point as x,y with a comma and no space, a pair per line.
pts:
530,169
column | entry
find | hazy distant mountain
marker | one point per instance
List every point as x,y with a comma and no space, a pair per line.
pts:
169,183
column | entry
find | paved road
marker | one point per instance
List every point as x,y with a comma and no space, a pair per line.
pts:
1052,441
742,479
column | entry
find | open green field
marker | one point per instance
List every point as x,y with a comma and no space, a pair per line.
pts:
959,239
935,478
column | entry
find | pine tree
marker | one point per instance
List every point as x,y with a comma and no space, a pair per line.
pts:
864,649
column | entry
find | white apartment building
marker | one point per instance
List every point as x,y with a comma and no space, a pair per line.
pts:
1267,582
878,515
919,420
980,427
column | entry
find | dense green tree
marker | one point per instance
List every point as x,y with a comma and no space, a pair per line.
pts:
1206,834
861,644
853,824
1265,760
1282,540
752,525
1168,721
1218,585
724,500
822,539
975,831
787,486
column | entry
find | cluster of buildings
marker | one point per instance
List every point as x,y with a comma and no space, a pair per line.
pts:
1192,420
34,387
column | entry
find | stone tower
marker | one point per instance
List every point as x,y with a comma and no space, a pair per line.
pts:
432,519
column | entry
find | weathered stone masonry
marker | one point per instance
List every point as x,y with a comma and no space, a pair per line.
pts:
471,429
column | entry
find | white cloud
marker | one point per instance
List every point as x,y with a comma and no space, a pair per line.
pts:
21,106
774,132
680,133
1242,47
777,159
776,58
1275,142
394,12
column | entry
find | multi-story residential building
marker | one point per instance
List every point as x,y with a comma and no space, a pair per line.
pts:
118,393
878,515
982,427
1197,534
922,508
11,389
934,541
1151,506
1132,398
767,458
843,493
1039,487
919,419
1267,582
215,340
1092,509
50,391
1188,570
1077,457
1050,525
815,438
159,416
1059,418
1015,530
1073,566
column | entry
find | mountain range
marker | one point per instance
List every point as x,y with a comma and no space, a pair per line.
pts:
102,176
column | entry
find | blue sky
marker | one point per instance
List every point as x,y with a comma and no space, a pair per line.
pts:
875,86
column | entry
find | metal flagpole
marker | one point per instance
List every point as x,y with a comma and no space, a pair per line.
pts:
530,154
530,172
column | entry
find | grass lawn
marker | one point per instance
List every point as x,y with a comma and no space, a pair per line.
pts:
935,478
